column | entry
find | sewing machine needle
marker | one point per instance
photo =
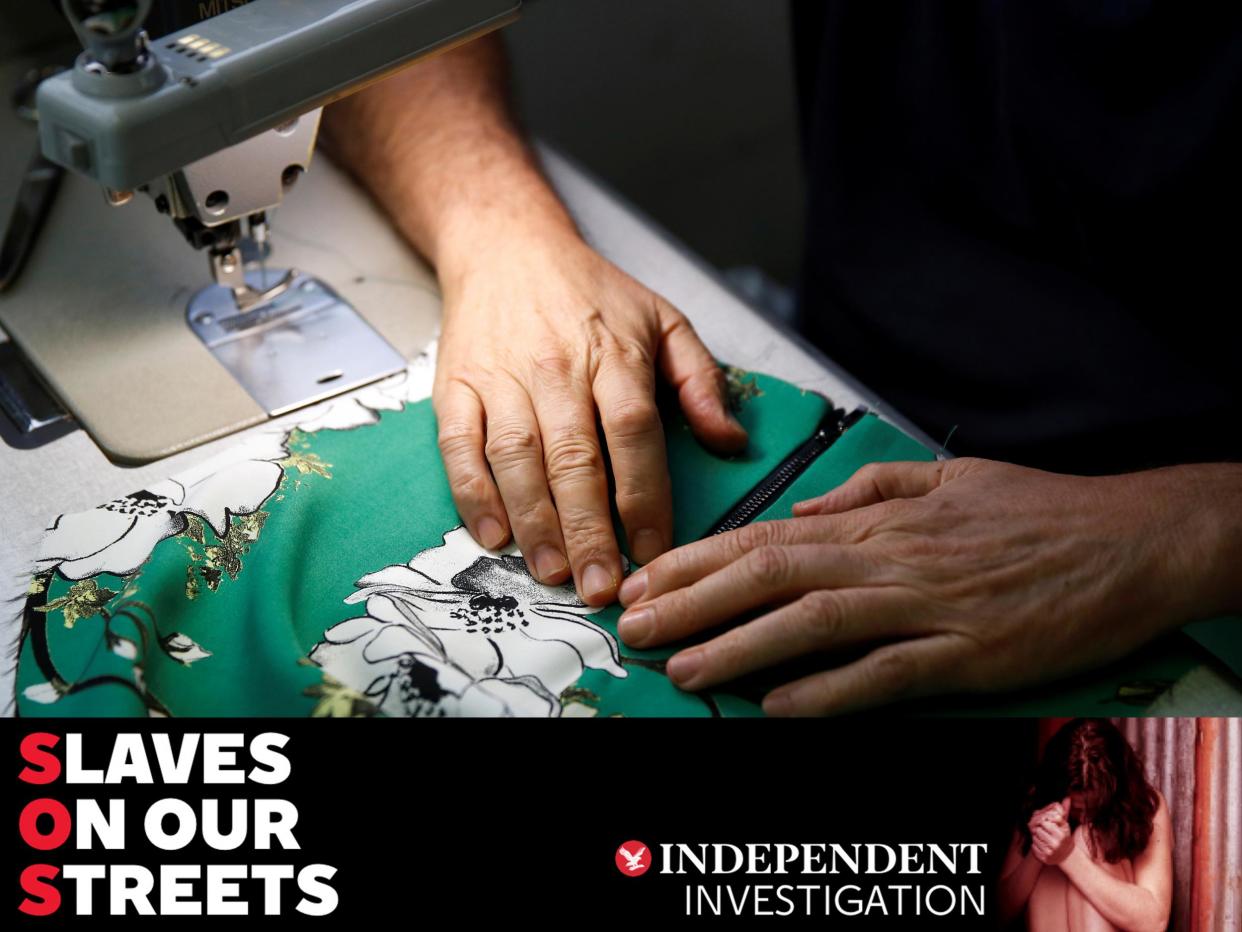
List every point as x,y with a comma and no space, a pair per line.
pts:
258,232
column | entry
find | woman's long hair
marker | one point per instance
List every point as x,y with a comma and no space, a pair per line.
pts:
1089,756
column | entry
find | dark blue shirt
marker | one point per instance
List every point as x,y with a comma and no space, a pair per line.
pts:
1025,221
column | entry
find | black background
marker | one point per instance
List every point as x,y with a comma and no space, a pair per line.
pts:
477,821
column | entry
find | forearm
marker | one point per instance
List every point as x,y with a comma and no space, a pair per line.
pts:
438,147
1126,905
1204,527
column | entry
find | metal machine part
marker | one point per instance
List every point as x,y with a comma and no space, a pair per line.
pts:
111,31
299,346
212,198
242,180
239,74
26,402
215,123
228,268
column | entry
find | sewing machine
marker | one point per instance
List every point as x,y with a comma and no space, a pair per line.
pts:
215,124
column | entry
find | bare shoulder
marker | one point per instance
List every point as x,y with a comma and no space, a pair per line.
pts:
1161,839
1162,809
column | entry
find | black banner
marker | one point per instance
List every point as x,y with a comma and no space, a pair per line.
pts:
870,822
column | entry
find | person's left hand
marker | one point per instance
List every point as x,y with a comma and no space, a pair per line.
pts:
965,575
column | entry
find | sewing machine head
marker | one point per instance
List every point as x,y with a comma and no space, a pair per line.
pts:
218,202
214,124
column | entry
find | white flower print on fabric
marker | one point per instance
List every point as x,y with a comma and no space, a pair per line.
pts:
182,648
405,678
119,536
42,693
461,630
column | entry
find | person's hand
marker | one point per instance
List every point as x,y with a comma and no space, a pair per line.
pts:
1054,810
1051,838
541,333
964,575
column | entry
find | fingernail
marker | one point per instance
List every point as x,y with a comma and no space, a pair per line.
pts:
738,425
491,532
633,588
596,581
646,545
684,666
635,627
810,505
778,704
549,562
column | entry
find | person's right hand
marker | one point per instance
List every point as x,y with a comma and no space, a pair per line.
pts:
541,333
1051,838
1054,810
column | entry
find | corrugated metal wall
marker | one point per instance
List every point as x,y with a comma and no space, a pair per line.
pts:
1217,896
1197,765
1167,749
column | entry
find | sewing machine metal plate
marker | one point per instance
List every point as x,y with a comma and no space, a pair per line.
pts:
303,345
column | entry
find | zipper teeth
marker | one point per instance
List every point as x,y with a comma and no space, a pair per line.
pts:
771,487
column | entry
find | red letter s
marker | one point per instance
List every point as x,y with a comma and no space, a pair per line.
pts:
35,751
34,882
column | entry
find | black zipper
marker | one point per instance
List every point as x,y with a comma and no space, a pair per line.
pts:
770,487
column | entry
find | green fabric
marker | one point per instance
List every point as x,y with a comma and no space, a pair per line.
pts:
778,417
870,440
1222,637
1124,688
256,602
254,615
